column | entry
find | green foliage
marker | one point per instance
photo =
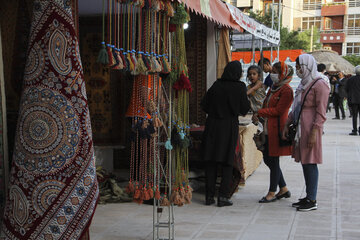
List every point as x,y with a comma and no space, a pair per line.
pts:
263,18
289,39
353,59
306,36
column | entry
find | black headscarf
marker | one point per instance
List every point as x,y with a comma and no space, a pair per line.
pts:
232,72
227,96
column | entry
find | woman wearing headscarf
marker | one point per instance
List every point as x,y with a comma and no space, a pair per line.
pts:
308,146
224,102
275,111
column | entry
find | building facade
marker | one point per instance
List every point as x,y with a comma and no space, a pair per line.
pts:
338,21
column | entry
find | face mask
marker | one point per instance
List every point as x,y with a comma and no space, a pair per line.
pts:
274,77
299,74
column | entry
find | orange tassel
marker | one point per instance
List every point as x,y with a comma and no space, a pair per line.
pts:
151,193
118,59
146,194
131,67
165,202
111,56
188,196
172,196
182,192
137,194
157,194
130,187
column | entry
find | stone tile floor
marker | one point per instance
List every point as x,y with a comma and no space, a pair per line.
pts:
337,217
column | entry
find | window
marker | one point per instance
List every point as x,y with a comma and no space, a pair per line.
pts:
328,23
311,4
354,3
353,48
307,22
353,24
233,2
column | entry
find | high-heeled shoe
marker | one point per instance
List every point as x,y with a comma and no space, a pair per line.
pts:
284,195
223,201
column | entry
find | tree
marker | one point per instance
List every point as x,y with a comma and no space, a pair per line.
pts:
353,59
306,37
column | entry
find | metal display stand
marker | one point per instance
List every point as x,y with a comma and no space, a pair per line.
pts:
163,216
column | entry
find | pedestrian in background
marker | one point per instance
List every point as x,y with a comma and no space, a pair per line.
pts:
308,144
339,95
353,93
267,68
223,102
275,111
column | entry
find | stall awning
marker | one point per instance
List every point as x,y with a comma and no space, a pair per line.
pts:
213,10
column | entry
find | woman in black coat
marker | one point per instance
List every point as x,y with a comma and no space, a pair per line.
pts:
223,102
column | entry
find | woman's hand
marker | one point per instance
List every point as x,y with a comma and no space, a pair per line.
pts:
312,138
285,132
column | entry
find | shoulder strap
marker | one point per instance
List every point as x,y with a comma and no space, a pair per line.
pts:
302,104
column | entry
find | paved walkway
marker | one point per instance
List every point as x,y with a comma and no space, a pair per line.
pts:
337,217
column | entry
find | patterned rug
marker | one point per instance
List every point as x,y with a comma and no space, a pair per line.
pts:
53,188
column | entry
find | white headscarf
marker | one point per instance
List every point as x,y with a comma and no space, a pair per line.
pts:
308,66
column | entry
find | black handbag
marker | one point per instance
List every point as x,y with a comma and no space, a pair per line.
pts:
293,126
288,141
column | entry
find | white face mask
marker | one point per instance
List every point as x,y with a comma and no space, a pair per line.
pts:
299,74
275,78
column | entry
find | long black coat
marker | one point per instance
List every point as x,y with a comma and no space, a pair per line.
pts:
223,102
353,90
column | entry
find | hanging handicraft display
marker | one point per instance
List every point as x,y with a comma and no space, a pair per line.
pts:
138,42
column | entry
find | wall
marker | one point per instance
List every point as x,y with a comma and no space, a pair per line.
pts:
338,22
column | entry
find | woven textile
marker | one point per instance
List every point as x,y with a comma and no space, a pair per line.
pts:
53,188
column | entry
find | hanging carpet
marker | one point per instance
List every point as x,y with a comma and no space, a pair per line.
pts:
53,188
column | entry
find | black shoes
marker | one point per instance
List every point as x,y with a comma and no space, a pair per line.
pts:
265,200
336,118
307,205
284,195
343,118
223,202
300,202
209,201
353,133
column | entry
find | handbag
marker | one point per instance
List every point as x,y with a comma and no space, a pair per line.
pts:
293,126
288,141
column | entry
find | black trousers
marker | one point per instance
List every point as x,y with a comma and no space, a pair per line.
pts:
211,176
355,110
276,176
338,103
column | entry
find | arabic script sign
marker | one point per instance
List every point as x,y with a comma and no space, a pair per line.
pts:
253,26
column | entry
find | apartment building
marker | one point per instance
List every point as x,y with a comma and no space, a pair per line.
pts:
337,20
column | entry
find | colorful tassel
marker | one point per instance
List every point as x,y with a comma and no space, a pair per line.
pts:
131,64
168,145
137,193
165,202
157,193
140,67
165,65
103,56
111,61
123,59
